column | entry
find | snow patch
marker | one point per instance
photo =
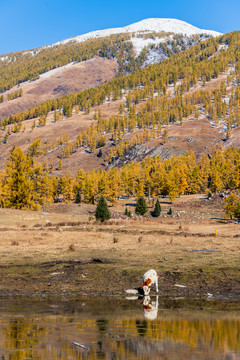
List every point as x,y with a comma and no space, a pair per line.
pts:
54,71
140,43
153,57
148,25
3,58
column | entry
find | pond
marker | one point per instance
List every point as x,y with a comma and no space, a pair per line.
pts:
119,329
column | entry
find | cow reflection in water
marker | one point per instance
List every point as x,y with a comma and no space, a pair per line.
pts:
150,308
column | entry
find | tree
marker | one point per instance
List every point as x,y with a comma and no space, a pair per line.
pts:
34,148
78,197
127,212
18,186
60,165
232,206
99,153
141,206
157,209
102,212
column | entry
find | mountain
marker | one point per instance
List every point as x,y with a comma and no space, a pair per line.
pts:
74,64
147,25
162,112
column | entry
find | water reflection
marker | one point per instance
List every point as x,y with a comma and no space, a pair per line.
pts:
119,329
150,308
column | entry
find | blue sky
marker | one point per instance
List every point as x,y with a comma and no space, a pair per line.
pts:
26,24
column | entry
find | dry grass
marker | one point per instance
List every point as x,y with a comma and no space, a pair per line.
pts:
123,250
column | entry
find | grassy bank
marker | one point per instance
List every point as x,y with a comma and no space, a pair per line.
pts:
62,253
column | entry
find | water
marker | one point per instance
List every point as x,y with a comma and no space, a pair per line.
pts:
119,329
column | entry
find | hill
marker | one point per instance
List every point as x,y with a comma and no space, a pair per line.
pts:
186,105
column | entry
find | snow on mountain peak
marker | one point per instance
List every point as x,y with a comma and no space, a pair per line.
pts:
147,25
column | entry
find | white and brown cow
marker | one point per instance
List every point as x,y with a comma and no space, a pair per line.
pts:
149,278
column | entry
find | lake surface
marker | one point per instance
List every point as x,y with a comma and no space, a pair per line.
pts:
119,329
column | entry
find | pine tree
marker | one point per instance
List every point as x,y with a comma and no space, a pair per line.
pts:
170,211
141,206
99,153
102,212
157,209
78,197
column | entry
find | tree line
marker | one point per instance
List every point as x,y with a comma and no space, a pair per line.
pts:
26,184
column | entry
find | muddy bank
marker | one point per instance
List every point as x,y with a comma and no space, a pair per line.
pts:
99,277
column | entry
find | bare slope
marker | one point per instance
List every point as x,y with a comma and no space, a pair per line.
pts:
59,82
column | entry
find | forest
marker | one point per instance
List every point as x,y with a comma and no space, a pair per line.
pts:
24,183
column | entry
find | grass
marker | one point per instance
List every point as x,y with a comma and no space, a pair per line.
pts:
124,249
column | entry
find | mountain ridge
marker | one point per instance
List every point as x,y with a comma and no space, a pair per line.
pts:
151,25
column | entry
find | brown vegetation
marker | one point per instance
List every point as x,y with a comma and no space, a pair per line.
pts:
60,245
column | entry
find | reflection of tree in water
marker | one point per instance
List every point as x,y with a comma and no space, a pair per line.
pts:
101,354
22,335
141,347
102,325
141,326
172,334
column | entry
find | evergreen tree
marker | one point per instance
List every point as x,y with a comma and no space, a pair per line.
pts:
141,206
157,209
99,153
170,211
78,197
102,212
127,212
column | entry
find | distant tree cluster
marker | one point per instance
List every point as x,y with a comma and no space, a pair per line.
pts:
26,184
11,95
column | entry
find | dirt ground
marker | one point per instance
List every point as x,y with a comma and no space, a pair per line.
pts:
62,251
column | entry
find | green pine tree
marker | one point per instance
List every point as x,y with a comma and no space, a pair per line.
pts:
141,206
78,197
99,153
157,209
102,212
